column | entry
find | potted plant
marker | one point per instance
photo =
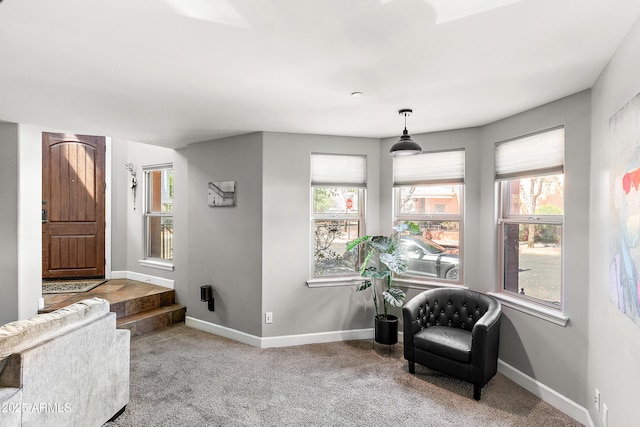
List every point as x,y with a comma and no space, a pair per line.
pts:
384,257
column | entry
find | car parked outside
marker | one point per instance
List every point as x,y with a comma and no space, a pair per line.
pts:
430,259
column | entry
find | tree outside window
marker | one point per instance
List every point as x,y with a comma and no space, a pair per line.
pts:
337,220
532,230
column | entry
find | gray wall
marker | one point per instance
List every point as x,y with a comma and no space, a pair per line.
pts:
614,340
287,231
120,200
9,222
225,243
555,356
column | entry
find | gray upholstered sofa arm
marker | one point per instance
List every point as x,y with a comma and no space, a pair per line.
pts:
65,368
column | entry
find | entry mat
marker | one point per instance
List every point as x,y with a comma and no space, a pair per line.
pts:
69,286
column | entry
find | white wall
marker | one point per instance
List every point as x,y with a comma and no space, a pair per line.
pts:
29,219
286,231
614,340
21,195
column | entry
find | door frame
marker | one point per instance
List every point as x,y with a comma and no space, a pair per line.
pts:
108,162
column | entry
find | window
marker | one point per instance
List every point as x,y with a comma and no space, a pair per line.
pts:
158,213
429,190
338,185
530,175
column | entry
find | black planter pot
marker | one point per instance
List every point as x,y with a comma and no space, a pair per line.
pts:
386,330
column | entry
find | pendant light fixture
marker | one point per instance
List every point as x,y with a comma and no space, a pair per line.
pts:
406,146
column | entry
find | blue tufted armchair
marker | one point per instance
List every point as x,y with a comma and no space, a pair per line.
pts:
454,331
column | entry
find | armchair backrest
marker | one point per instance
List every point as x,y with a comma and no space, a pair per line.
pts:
453,307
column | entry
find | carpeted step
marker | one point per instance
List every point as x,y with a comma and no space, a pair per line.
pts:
150,320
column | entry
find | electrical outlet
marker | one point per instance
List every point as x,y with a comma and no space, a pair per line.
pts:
268,317
596,399
605,414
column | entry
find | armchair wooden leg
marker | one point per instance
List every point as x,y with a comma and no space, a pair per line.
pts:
412,367
476,392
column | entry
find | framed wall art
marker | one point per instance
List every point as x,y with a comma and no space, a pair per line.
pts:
222,194
624,254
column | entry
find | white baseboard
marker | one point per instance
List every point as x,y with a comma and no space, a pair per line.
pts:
321,337
545,393
132,275
222,331
280,341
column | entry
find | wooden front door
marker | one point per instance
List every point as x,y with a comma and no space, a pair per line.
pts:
72,205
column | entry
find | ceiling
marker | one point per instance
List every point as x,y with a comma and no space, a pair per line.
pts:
172,72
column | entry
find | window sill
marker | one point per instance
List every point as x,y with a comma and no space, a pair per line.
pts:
160,265
426,284
327,282
532,309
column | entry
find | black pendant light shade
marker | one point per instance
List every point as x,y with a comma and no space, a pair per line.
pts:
405,146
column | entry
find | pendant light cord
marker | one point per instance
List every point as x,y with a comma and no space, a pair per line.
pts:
405,132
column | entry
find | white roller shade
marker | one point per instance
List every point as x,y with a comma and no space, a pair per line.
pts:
439,167
538,154
338,170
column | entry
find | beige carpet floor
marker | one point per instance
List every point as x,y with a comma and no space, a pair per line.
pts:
185,377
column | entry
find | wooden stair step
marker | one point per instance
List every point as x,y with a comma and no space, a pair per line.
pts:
143,303
150,320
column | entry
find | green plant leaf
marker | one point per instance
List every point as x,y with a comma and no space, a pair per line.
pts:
401,227
414,228
410,226
374,273
382,243
394,296
366,284
395,261
364,267
353,243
